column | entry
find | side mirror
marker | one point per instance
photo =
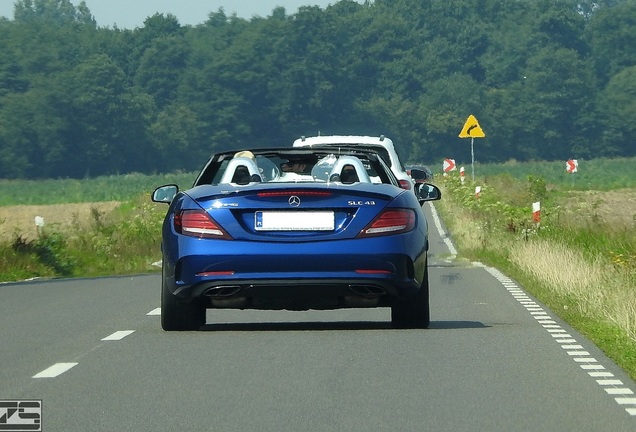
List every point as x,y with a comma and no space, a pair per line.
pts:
165,194
419,175
428,192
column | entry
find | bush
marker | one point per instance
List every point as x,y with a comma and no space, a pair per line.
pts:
125,241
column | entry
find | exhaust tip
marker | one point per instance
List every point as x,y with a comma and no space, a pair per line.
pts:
222,291
367,291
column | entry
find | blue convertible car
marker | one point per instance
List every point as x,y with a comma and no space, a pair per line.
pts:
296,229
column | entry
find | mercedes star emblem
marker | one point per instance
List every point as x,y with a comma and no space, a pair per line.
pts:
294,201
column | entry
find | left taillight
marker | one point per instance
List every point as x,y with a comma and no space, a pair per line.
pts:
390,222
198,223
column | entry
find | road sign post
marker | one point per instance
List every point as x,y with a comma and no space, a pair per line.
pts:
472,130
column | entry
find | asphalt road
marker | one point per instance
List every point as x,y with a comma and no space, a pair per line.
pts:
92,351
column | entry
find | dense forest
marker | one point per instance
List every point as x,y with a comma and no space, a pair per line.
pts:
547,80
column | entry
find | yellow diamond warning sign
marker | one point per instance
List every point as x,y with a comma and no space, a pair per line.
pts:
472,129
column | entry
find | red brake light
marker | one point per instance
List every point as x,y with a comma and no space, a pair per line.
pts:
197,223
405,184
297,193
389,222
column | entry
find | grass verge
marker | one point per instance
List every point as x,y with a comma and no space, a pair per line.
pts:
124,241
575,271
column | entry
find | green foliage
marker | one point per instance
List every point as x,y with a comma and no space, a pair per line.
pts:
610,31
504,206
548,81
537,188
60,12
124,242
50,249
617,103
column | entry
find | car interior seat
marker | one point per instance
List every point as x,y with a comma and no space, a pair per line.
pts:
241,175
349,169
349,175
241,171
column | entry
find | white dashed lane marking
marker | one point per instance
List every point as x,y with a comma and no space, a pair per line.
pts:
59,368
577,353
118,335
55,370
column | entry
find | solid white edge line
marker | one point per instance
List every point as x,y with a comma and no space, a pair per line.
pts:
118,335
440,230
594,370
55,370
575,350
155,311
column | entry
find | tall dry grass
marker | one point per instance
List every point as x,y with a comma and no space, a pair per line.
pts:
599,289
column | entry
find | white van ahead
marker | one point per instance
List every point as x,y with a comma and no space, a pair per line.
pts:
383,145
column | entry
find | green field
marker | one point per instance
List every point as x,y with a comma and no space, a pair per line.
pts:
596,174
99,189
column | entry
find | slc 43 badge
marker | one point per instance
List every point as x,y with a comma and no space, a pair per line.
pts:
361,203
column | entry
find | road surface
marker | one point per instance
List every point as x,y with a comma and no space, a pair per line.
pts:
92,353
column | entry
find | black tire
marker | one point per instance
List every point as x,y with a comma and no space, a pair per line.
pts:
413,312
179,316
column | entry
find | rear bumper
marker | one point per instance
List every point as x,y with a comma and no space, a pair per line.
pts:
297,294
294,279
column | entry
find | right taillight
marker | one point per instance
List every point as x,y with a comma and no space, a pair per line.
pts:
405,184
198,223
389,222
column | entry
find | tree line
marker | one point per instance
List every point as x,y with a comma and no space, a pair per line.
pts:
546,79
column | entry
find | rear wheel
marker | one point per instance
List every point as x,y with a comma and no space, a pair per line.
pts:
413,312
179,316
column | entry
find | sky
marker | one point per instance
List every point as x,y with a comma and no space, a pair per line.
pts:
129,14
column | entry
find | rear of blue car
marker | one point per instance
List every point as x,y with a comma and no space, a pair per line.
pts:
294,246
376,247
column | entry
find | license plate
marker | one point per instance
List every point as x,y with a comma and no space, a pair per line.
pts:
294,221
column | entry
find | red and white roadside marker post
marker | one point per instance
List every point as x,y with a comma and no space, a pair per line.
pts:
478,192
572,166
536,212
448,166
39,224
462,174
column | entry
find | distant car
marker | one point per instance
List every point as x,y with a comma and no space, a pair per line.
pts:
381,144
297,229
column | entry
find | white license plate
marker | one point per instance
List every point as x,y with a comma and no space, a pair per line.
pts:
294,221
